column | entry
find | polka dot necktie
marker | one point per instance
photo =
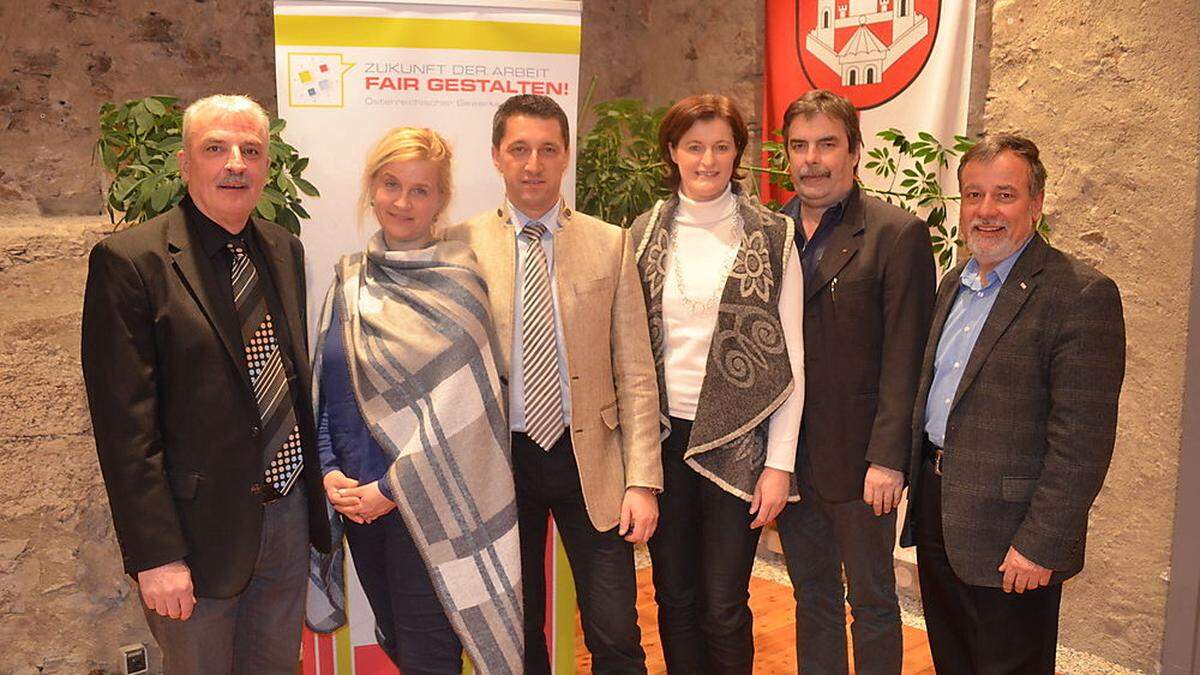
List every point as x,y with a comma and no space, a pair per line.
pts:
267,376
539,345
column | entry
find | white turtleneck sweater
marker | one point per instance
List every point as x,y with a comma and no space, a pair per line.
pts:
706,236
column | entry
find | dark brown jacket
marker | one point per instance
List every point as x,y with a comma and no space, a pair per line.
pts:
1032,424
867,310
173,414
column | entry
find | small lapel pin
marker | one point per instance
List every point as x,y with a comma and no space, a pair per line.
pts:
1023,286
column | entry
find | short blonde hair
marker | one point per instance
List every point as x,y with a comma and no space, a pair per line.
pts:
406,144
229,104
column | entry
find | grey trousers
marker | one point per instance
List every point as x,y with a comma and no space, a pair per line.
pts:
819,538
258,630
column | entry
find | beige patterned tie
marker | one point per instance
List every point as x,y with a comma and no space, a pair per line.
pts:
539,350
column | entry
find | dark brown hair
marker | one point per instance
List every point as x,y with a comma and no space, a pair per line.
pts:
825,102
989,147
687,112
529,105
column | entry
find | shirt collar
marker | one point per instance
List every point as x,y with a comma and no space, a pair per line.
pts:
835,211
833,214
999,273
831,218
213,237
549,219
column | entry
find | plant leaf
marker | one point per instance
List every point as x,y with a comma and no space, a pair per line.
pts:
306,187
154,106
265,209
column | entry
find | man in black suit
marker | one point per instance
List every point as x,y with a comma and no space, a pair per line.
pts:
868,284
1014,424
196,366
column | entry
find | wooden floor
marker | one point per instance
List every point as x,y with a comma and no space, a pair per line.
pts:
774,632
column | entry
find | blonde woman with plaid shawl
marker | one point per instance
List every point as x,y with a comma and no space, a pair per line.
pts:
412,433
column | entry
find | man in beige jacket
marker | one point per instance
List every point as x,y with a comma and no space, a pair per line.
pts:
583,401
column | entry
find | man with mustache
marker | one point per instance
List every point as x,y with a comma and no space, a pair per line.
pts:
1014,423
868,285
196,365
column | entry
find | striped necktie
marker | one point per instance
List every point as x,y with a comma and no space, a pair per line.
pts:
539,348
267,376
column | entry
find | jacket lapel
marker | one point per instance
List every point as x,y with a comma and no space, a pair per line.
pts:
946,293
568,264
197,276
1012,296
843,244
495,245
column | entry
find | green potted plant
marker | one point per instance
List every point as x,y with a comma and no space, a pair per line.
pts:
137,146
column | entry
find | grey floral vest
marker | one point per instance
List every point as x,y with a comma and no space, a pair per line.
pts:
748,374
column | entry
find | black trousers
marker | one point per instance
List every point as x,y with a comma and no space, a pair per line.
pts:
820,538
702,555
547,483
978,630
410,622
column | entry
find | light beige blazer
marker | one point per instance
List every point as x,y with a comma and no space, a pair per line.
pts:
614,392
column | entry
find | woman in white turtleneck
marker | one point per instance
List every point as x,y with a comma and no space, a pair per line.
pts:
724,293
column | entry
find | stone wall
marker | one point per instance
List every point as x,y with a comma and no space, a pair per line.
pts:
65,604
1108,89
660,51
60,59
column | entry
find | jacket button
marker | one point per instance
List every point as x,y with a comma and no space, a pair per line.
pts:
254,431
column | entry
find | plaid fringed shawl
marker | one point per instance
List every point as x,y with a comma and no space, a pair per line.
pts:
422,360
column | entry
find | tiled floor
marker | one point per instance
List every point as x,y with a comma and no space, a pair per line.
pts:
774,632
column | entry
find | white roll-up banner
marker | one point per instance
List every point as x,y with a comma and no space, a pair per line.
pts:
347,72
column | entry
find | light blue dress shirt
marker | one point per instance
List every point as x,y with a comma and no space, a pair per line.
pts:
516,380
970,311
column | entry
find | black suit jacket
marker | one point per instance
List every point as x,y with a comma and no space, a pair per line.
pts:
1032,424
174,417
867,310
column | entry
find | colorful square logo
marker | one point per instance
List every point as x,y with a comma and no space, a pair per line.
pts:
316,80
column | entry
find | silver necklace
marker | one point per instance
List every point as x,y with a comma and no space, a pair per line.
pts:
708,304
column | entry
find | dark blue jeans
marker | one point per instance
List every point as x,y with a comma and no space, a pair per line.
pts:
820,539
410,623
257,631
702,555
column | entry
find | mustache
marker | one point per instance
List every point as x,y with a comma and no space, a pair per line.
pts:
233,180
813,171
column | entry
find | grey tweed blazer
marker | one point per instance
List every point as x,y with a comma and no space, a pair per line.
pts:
1032,425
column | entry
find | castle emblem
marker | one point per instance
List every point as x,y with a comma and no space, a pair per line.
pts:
868,50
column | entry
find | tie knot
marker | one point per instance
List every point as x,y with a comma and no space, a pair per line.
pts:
533,230
236,248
